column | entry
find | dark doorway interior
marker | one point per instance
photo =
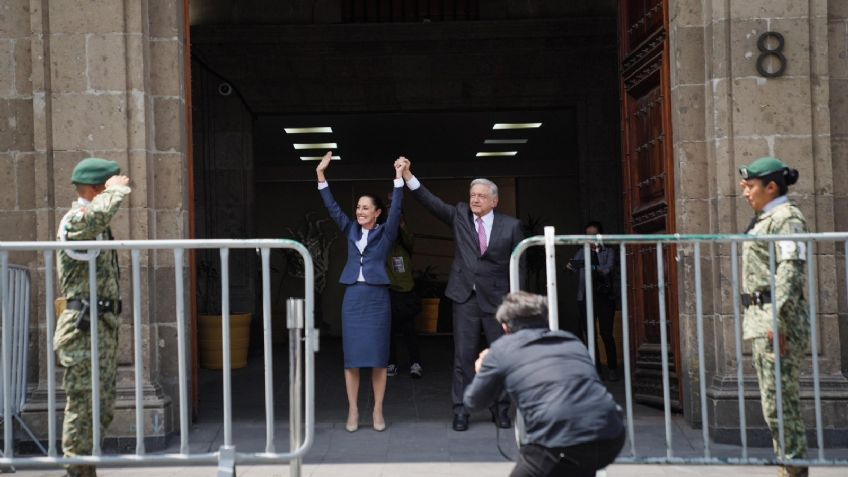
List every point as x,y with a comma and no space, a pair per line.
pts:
431,88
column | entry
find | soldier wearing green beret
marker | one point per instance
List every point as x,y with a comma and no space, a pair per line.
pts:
101,190
765,183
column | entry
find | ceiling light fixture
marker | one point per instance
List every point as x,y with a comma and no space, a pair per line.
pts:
517,125
316,145
318,158
309,130
505,141
497,154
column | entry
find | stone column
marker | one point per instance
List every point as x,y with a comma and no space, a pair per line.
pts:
725,114
107,80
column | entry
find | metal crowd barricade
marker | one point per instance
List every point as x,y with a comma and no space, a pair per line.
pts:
303,344
550,241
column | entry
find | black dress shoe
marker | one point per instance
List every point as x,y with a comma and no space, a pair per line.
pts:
460,422
501,418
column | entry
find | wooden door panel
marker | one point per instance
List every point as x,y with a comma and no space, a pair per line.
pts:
648,188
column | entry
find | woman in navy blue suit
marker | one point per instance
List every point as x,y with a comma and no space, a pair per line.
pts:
366,310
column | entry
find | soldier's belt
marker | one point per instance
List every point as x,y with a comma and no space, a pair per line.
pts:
103,306
755,299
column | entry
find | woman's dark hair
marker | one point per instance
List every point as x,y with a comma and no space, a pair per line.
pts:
522,310
596,224
783,178
378,204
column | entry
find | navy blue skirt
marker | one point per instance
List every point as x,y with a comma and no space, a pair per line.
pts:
366,326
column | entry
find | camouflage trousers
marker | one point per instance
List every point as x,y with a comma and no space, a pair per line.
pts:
790,366
77,426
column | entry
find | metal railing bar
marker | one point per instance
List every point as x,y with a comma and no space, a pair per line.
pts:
664,349
265,256
625,331
737,325
550,268
50,318
225,332
137,352
699,318
778,372
94,334
182,351
812,282
8,422
589,297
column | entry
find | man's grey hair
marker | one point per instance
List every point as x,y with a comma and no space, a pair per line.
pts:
522,309
486,182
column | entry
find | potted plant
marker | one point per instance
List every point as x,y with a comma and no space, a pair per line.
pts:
317,237
209,325
427,286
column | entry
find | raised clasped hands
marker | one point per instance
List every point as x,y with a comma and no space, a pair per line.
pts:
407,167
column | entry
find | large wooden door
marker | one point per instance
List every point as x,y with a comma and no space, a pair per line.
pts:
648,187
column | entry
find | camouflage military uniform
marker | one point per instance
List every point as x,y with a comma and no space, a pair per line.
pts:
792,313
87,221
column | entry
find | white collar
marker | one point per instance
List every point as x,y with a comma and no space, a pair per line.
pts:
488,218
82,201
775,202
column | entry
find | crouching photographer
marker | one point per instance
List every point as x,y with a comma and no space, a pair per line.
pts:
574,427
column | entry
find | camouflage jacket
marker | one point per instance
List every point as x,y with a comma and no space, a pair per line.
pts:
791,275
88,222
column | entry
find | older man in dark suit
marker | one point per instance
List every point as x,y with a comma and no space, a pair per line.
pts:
479,278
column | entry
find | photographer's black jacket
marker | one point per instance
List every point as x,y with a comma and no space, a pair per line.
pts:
550,375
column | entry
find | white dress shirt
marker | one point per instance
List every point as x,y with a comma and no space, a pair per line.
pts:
363,241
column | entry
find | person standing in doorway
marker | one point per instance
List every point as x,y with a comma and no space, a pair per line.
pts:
366,309
765,183
602,262
479,279
101,191
406,304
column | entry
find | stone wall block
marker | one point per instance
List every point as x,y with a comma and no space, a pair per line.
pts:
688,48
138,172
716,37
25,181
827,284
798,51
7,67
165,75
135,62
23,66
837,9
839,162
68,64
743,46
688,113
721,104
823,220
693,216
770,9
106,61
797,152
14,18
765,107
17,226
164,307
686,12
693,170
839,107
89,122
90,16
139,226
166,114
63,166
165,17
168,181
825,169
8,196
16,124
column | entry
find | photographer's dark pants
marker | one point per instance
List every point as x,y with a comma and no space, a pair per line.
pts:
582,460
405,307
605,313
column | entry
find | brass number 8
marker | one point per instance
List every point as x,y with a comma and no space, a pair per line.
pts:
766,51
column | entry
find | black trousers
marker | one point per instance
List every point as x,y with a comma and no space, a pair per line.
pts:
582,460
605,313
468,319
405,307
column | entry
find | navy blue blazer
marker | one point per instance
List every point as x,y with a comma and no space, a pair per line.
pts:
380,241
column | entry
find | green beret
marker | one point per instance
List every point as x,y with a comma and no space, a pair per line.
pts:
762,167
94,171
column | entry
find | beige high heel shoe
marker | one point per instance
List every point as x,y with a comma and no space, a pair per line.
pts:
352,423
379,423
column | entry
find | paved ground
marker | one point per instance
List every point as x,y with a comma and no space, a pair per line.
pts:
418,441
